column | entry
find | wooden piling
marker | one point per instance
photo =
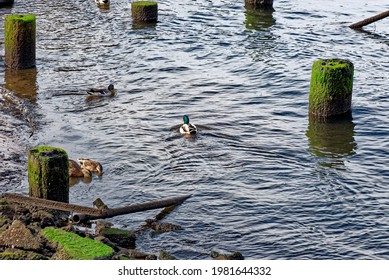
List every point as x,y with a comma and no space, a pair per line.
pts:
144,11
5,3
331,87
48,173
259,4
19,41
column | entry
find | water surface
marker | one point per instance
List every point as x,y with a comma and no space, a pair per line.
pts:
265,180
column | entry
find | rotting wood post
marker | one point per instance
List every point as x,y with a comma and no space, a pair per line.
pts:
259,4
369,20
5,3
48,173
331,87
144,11
19,41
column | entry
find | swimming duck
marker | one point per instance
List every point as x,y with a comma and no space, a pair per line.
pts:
110,91
187,127
75,170
91,165
102,2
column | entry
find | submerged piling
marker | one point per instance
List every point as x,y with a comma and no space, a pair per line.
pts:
331,87
48,173
144,11
259,4
19,41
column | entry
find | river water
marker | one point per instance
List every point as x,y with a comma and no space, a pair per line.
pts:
265,181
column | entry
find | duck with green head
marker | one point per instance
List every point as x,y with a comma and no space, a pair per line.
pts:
110,91
187,127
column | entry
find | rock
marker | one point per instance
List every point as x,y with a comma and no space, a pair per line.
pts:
19,236
122,238
163,255
160,227
233,256
21,255
136,255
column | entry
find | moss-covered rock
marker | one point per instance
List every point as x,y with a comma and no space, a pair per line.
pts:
120,237
21,255
72,246
163,255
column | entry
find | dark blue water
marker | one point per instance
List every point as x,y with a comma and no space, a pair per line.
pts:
264,180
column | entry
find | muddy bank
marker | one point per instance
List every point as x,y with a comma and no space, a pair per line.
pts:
34,233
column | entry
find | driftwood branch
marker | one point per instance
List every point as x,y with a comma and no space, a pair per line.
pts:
88,213
369,20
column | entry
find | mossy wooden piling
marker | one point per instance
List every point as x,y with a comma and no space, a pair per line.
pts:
144,11
5,3
331,87
48,173
19,41
259,4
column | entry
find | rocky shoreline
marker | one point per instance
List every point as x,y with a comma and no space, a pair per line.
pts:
34,233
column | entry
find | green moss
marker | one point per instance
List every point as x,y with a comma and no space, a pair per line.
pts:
123,238
331,86
77,247
11,26
22,18
48,171
143,4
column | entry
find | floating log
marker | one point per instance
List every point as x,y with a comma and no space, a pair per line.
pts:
259,4
369,20
48,173
331,87
19,41
88,213
144,11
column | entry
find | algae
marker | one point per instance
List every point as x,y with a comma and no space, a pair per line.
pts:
77,247
331,86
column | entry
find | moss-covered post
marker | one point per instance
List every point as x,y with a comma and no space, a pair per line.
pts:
259,4
19,41
48,173
144,11
331,87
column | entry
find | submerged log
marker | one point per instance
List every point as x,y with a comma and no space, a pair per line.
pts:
331,87
369,20
48,173
88,213
19,41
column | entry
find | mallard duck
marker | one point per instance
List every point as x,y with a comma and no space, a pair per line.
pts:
91,165
187,127
102,2
110,91
75,170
